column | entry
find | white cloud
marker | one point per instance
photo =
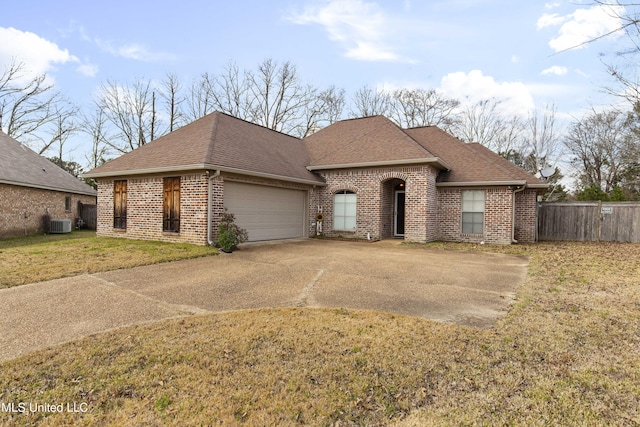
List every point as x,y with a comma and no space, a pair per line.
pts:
135,51
37,54
582,26
89,70
551,5
359,26
474,86
549,20
556,70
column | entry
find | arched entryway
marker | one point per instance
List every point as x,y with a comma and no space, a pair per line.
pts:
392,212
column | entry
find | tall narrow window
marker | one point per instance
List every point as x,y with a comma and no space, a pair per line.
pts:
473,211
344,211
120,204
67,203
171,215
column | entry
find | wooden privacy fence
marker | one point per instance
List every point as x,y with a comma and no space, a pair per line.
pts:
89,214
589,221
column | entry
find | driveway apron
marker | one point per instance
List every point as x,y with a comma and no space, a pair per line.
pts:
467,288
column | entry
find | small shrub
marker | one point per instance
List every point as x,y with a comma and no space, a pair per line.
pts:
229,234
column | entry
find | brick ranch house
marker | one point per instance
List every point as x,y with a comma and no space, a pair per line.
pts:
32,186
368,177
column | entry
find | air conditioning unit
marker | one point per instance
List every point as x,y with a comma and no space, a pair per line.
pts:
58,226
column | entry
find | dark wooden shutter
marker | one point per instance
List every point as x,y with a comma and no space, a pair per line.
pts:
171,214
120,204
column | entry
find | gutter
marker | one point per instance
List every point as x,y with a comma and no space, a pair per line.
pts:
482,184
199,167
435,160
210,241
513,214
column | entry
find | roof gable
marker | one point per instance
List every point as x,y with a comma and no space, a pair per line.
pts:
470,162
373,139
19,165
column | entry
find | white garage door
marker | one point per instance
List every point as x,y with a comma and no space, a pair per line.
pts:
267,213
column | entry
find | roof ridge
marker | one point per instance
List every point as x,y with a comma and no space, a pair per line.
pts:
255,124
414,140
212,139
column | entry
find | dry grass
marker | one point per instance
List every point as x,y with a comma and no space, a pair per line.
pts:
37,258
568,353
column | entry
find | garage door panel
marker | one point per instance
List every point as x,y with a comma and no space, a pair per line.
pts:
266,213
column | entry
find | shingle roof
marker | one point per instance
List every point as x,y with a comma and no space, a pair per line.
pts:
360,141
469,162
217,141
21,166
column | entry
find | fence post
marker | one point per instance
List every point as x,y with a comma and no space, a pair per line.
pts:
599,213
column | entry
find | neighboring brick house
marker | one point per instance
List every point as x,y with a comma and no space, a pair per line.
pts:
368,177
31,186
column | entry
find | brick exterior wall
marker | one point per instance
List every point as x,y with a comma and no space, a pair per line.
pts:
498,216
144,209
430,213
526,216
374,204
22,208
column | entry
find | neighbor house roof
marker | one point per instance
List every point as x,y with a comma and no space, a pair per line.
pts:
471,163
368,141
19,165
218,142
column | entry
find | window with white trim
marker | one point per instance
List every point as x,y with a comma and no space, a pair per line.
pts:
473,211
344,210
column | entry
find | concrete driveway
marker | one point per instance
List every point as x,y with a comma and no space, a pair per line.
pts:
470,289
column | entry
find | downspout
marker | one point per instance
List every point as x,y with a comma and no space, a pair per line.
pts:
513,214
210,241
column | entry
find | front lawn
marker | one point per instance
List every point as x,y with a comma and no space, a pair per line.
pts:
37,258
568,353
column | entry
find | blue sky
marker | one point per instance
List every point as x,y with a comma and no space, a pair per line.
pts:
469,49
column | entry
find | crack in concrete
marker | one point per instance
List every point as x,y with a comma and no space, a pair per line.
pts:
306,295
179,309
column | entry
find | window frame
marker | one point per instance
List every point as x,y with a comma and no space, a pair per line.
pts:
67,203
472,211
346,220
120,204
171,204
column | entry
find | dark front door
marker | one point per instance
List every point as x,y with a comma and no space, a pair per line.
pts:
398,223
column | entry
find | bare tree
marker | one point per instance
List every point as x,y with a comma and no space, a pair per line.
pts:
27,105
541,144
422,107
62,127
95,126
624,71
230,92
367,102
598,143
272,96
171,94
278,99
200,98
325,109
131,110
485,123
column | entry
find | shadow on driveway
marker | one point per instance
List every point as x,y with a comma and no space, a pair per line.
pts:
471,289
